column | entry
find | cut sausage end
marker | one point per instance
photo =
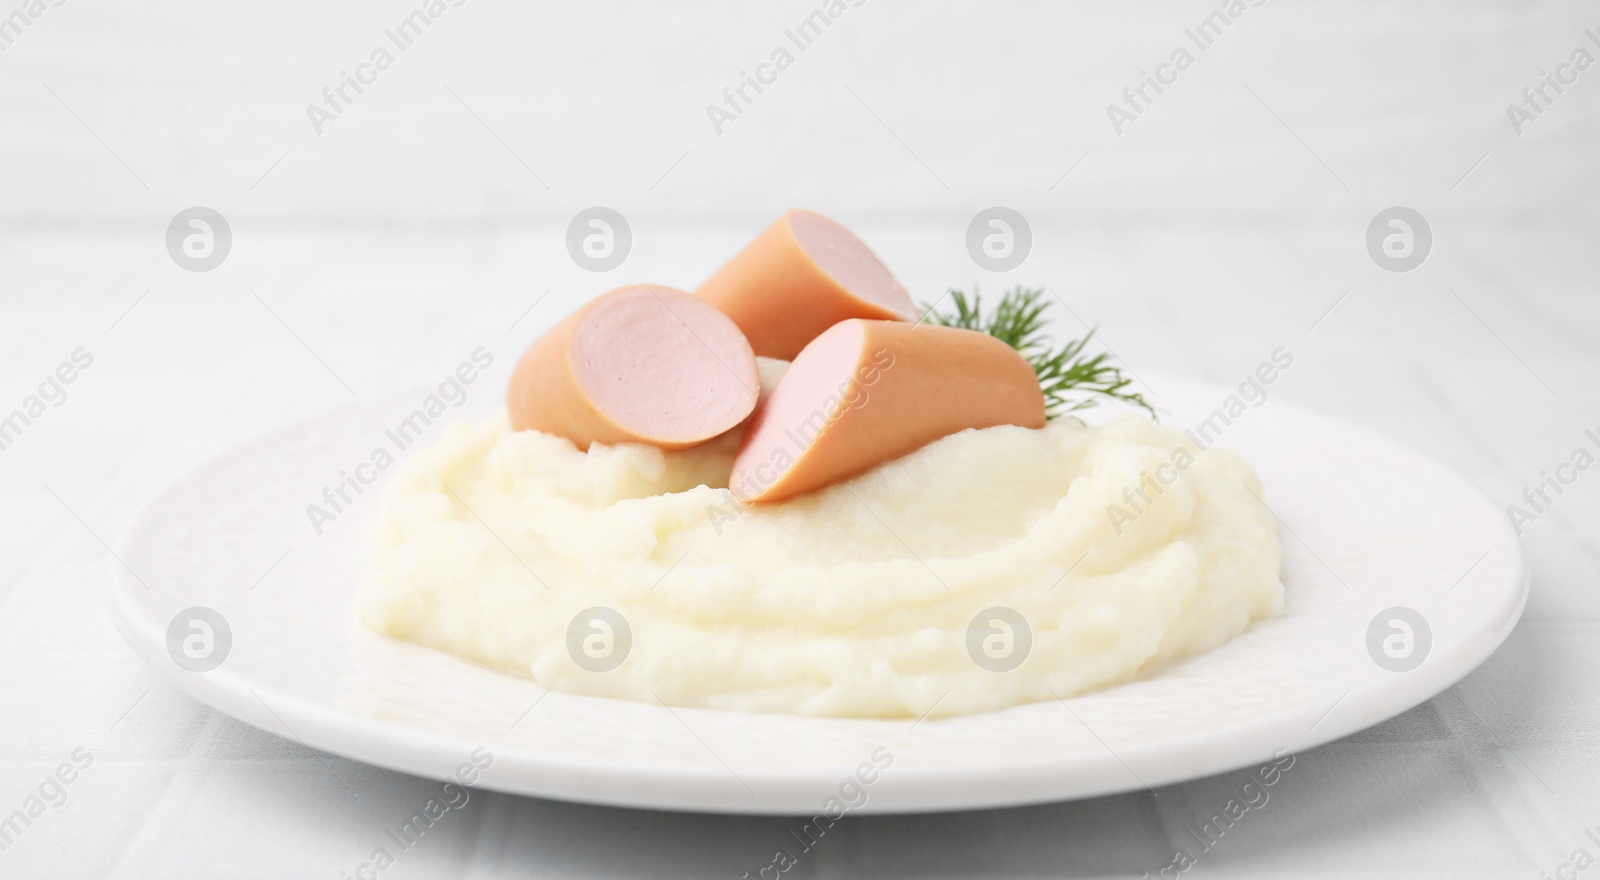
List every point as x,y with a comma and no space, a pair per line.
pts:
820,385
664,366
850,263
641,364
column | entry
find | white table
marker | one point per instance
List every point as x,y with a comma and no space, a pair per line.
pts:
1227,220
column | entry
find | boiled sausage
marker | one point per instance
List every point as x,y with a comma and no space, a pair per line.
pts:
801,276
865,392
641,364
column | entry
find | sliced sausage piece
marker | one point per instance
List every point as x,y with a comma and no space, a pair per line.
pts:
801,276
641,364
866,392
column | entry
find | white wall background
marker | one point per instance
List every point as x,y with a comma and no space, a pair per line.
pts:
600,99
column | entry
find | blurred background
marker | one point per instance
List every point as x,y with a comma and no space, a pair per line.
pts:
379,235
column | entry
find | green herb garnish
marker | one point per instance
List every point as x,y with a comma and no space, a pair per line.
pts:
1071,381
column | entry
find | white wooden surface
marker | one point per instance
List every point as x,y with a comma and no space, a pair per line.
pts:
1223,223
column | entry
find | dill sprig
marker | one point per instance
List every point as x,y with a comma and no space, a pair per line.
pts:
1071,380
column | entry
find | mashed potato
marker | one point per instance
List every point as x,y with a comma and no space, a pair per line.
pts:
863,599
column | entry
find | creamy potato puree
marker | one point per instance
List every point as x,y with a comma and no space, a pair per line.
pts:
851,601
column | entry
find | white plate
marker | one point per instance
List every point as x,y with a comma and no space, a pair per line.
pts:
1367,525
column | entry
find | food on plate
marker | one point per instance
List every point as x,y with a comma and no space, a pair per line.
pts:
855,600
867,392
852,533
799,277
641,364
